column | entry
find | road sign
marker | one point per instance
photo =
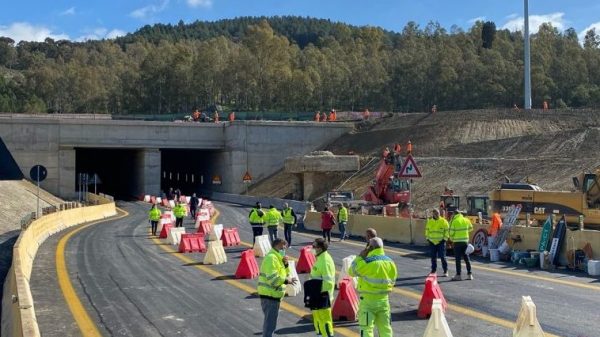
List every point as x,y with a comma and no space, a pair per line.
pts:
216,180
38,173
410,168
247,178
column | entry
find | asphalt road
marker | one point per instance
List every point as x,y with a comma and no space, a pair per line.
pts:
133,285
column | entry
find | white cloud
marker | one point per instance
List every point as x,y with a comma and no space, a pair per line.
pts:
535,21
590,27
512,16
70,11
479,18
115,33
149,10
24,31
100,33
200,3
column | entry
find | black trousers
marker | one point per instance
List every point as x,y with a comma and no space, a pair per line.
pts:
154,225
193,213
287,232
327,234
178,222
460,249
256,231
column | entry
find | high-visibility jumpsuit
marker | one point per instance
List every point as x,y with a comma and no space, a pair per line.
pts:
376,278
324,269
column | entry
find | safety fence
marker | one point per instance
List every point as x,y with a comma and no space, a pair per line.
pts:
18,313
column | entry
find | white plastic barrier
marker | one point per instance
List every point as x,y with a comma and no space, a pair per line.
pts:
158,200
161,223
527,322
215,233
437,325
147,198
171,215
262,246
174,235
215,254
172,203
346,263
202,214
293,289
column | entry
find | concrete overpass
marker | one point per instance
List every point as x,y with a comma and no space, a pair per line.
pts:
143,157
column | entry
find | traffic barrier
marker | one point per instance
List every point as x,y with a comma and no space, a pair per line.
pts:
431,292
230,237
215,253
158,200
190,243
202,215
437,325
527,322
306,260
248,267
164,232
153,200
165,203
183,199
205,227
293,289
172,204
174,235
161,223
187,200
215,233
147,198
262,246
345,306
346,263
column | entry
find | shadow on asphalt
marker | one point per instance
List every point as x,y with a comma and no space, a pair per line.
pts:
224,277
403,316
297,329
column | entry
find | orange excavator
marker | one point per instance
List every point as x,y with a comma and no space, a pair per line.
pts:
388,189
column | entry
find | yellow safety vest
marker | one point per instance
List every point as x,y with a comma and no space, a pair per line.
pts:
154,214
343,214
272,218
376,274
287,216
255,218
436,230
271,280
324,269
460,227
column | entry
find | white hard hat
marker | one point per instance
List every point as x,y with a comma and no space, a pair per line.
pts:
470,249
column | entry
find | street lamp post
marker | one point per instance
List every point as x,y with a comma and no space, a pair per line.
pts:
527,58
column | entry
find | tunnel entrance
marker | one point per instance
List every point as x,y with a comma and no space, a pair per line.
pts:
190,171
117,169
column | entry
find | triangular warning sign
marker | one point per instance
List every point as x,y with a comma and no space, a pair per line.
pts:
410,169
247,177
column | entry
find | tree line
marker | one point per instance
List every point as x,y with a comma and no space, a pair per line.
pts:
297,64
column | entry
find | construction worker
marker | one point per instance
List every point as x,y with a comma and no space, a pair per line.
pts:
179,212
366,114
436,233
216,116
196,115
257,220
324,270
289,221
318,116
459,233
327,223
194,201
376,274
272,219
342,218
231,116
495,225
154,216
272,279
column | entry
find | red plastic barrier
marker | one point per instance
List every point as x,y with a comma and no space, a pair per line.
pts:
192,243
230,237
153,200
432,291
182,199
205,227
248,267
165,231
306,260
345,306
165,203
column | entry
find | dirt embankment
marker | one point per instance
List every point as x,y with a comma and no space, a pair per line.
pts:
471,151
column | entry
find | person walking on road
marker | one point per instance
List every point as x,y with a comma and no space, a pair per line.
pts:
327,223
257,220
289,221
154,216
273,278
272,219
376,274
179,212
436,233
459,232
194,201
342,218
324,270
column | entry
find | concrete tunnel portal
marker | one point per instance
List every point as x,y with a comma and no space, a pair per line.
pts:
127,173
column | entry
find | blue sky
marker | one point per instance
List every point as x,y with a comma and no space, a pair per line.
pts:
93,19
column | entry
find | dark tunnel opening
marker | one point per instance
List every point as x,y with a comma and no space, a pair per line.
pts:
116,169
190,171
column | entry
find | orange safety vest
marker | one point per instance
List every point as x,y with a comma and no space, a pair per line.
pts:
317,117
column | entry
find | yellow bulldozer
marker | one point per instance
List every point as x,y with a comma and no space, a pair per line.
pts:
583,201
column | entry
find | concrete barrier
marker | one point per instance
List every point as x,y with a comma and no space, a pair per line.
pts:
18,312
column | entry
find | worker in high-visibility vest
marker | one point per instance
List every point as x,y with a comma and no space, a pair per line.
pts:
257,220
342,218
179,212
495,225
436,233
154,216
376,274
317,116
272,219
273,277
289,221
324,270
459,232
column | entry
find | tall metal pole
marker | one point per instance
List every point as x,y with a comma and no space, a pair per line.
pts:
37,209
527,59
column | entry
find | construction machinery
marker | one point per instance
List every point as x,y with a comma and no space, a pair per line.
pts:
583,201
388,190
449,203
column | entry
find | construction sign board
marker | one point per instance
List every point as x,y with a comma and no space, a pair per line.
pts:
247,178
216,180
410,168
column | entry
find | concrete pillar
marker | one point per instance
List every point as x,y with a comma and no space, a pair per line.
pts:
308,182
149,172
66,173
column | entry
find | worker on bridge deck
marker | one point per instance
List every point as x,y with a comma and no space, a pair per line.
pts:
324,271
459,232
289,221
179,212
257,220
436,233
272,220
154,216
